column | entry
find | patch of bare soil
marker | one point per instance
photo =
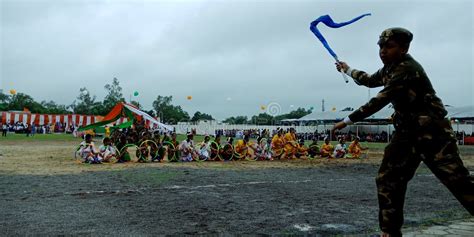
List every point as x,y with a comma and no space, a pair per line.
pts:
43,191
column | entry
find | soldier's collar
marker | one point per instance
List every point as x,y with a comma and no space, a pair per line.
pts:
407,56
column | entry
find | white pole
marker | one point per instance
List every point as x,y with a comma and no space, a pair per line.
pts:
388,133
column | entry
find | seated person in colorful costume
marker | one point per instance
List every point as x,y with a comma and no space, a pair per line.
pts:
205,148
187,149
242,148
313,149
215,147
327,149
278,144
302,150
106,150
156,147
144,143
291,144
355,149
123,155
88,151
263,149
341,149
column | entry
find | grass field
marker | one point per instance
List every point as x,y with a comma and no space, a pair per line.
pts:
68,137
54,153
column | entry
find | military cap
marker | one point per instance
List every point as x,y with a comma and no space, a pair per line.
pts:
398,34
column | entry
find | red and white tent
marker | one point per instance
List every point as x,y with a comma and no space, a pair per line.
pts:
12,117
116,116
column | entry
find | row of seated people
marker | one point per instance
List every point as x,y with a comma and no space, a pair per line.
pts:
90,154
289,148
341,150
157,149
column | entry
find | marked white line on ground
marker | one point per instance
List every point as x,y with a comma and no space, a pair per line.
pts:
177,187
237,184
303,227
432,175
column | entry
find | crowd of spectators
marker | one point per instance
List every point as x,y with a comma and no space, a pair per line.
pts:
58,127
30,130
308,136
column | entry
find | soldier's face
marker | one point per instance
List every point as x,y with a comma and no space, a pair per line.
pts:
391,52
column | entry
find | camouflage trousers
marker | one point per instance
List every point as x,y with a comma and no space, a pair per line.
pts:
401,159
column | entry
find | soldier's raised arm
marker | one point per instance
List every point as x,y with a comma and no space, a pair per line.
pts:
360,77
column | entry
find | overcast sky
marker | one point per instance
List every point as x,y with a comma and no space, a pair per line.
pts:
232,57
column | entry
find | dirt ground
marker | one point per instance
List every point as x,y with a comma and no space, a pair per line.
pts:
43,191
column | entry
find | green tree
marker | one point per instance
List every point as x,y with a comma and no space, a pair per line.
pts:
52,108
4,101
20,101
4,98
236,120
114,95
86,104
167,112
295,114
201,116
262,119
177,114
135,103
150,112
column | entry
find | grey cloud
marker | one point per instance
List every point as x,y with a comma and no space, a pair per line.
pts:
254,52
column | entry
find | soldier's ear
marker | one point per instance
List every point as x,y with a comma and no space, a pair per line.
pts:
405,48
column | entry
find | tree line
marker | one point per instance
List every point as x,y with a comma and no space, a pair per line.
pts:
85,103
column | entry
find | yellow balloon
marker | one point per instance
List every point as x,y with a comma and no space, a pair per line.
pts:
189,97
12,91
262,107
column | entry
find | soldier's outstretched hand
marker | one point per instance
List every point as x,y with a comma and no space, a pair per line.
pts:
338,126
342,66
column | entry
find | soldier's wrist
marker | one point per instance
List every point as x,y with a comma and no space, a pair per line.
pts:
348,71
347,121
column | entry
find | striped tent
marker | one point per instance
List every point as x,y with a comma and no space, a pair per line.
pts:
12,117
122,111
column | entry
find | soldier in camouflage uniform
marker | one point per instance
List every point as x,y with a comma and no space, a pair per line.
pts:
422,133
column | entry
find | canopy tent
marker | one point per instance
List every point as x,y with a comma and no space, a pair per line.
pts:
12,117
333,116
461,113
131,113
464,113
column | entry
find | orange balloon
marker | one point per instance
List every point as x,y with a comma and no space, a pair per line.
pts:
12,91
189,97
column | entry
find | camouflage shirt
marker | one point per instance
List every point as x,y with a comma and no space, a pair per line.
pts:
407,87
